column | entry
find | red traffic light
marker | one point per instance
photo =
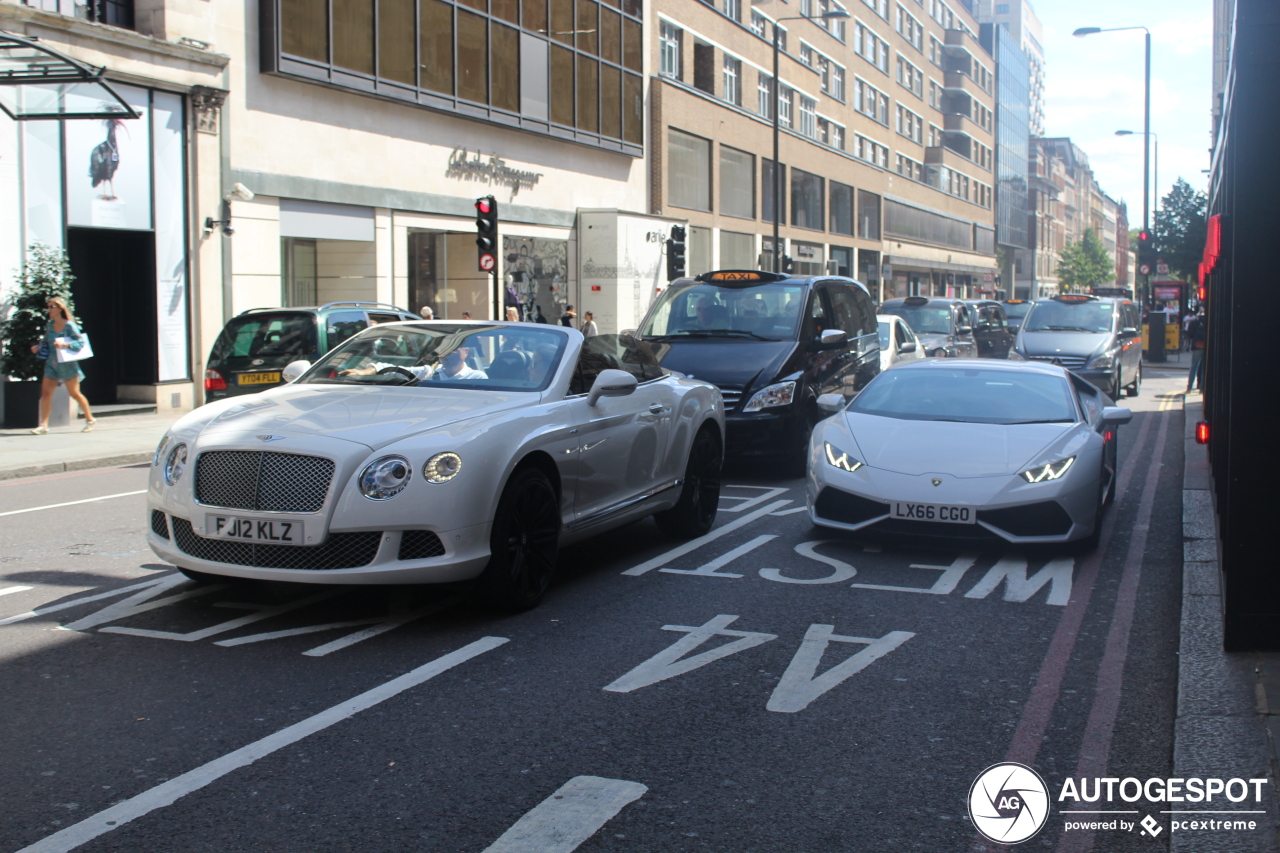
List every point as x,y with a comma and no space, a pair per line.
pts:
1144,236
482,205
1202,432
1202,293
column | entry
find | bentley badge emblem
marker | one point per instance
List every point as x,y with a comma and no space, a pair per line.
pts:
937,481
271,437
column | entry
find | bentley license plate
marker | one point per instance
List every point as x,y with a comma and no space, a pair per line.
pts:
935,512
258,378
241,529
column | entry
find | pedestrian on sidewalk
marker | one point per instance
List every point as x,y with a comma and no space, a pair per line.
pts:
1196,333
60,333
589,329
567,318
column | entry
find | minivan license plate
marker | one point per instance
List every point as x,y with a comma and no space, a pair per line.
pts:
935,512
273,530
258,378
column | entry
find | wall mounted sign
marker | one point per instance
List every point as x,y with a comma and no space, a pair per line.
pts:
466,166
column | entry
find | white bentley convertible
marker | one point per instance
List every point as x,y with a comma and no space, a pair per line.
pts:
438,451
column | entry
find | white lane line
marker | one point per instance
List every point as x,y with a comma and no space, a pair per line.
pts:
694,544
10,590
72,503
747,503
568,817
167,793
40,611
390,624
712,569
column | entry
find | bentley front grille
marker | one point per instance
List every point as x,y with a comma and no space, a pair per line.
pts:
339,551
262,480
159,525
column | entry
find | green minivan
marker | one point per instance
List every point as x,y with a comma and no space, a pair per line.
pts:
256,345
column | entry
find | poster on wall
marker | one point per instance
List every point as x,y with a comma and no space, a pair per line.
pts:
108,168
171,248
537,274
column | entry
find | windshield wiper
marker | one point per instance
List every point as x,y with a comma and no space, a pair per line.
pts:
1060,329
1041,421
707,333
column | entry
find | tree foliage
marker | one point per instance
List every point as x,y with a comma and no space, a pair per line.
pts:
45,274
1180,230
1084,264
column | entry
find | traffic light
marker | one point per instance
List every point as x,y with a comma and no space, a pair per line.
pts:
1146,250
788,264
675,253
487,233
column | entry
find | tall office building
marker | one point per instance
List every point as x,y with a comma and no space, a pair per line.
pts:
1012,134
1018,19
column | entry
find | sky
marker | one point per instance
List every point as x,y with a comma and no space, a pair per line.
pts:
1094,88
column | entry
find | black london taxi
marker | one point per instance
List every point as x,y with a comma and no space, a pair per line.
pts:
944,326
773,343
1098,339
256,345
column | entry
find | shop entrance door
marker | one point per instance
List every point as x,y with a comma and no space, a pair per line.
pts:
115,299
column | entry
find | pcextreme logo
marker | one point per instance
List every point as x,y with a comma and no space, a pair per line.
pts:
1008,803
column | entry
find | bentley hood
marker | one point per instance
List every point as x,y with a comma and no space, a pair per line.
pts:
372,416
960,450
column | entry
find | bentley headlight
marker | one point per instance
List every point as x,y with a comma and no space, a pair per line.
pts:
1050,471
1104,361
840,459
385,478
778,394
175,464
442,467
164,442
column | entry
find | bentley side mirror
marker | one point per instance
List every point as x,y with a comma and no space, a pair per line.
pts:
908,347
295,369
1116,415
832,338
964,330
830,403
612,383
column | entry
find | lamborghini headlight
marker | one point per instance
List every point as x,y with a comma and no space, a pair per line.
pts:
1048,471
385,478
778,394
840,459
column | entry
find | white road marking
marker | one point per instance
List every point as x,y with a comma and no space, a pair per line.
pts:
668,664
10,590
944,585
709,570
568,817
747,503
1018,587
167,793
140,602
840,571
53,608
389,623
72,503
262,612
792,511
799,686
694,544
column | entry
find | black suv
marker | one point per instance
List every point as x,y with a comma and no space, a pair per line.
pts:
991,329
772,343
256,345
944,326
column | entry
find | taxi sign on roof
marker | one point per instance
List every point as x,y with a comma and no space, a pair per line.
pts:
740,276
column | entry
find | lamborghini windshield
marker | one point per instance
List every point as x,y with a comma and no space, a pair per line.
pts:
968,395
479,357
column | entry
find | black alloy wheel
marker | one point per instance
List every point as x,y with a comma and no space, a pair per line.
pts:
1136,385
695,512
1116,388
523,544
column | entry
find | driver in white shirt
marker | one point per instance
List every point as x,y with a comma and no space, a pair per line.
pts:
452,368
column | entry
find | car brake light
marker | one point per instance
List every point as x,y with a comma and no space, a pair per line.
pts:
213,381
1108,436
1202,432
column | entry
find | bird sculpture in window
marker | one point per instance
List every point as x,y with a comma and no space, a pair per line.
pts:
105,159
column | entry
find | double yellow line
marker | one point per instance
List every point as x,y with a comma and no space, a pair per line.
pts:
1169,402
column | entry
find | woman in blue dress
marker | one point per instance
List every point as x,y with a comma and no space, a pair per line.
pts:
61,333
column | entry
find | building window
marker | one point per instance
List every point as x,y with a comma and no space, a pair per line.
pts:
935,51
759,24
908,124
785,99
113,13
704,72
764,96
910,29
807,201
871,48
837,136
868,215
880,7
910,77
767,188
733,9
487,65
808,117
732,88
688,171
737,183
737,251
807,55
841,208
1002,8
669,42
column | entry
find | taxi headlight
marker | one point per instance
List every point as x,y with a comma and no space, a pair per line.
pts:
778,394
1048,471
175,464
840,459
1104,361
442,467
385,478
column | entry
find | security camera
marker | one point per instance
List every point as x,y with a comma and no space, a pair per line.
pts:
240,191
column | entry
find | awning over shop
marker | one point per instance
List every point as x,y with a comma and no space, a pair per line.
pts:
38,82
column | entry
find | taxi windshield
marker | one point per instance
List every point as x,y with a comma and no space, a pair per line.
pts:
1054,316
924,319
767,312
478,357
968,395
1016,310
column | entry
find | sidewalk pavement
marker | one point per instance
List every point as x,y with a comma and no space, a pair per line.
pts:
117,440
1228,720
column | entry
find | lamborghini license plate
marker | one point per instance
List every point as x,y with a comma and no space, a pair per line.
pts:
934,512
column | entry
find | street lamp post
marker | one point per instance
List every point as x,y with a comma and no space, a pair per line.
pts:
1146,129
833,14
1155,166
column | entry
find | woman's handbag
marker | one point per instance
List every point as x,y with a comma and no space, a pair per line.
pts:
43,352
86,351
